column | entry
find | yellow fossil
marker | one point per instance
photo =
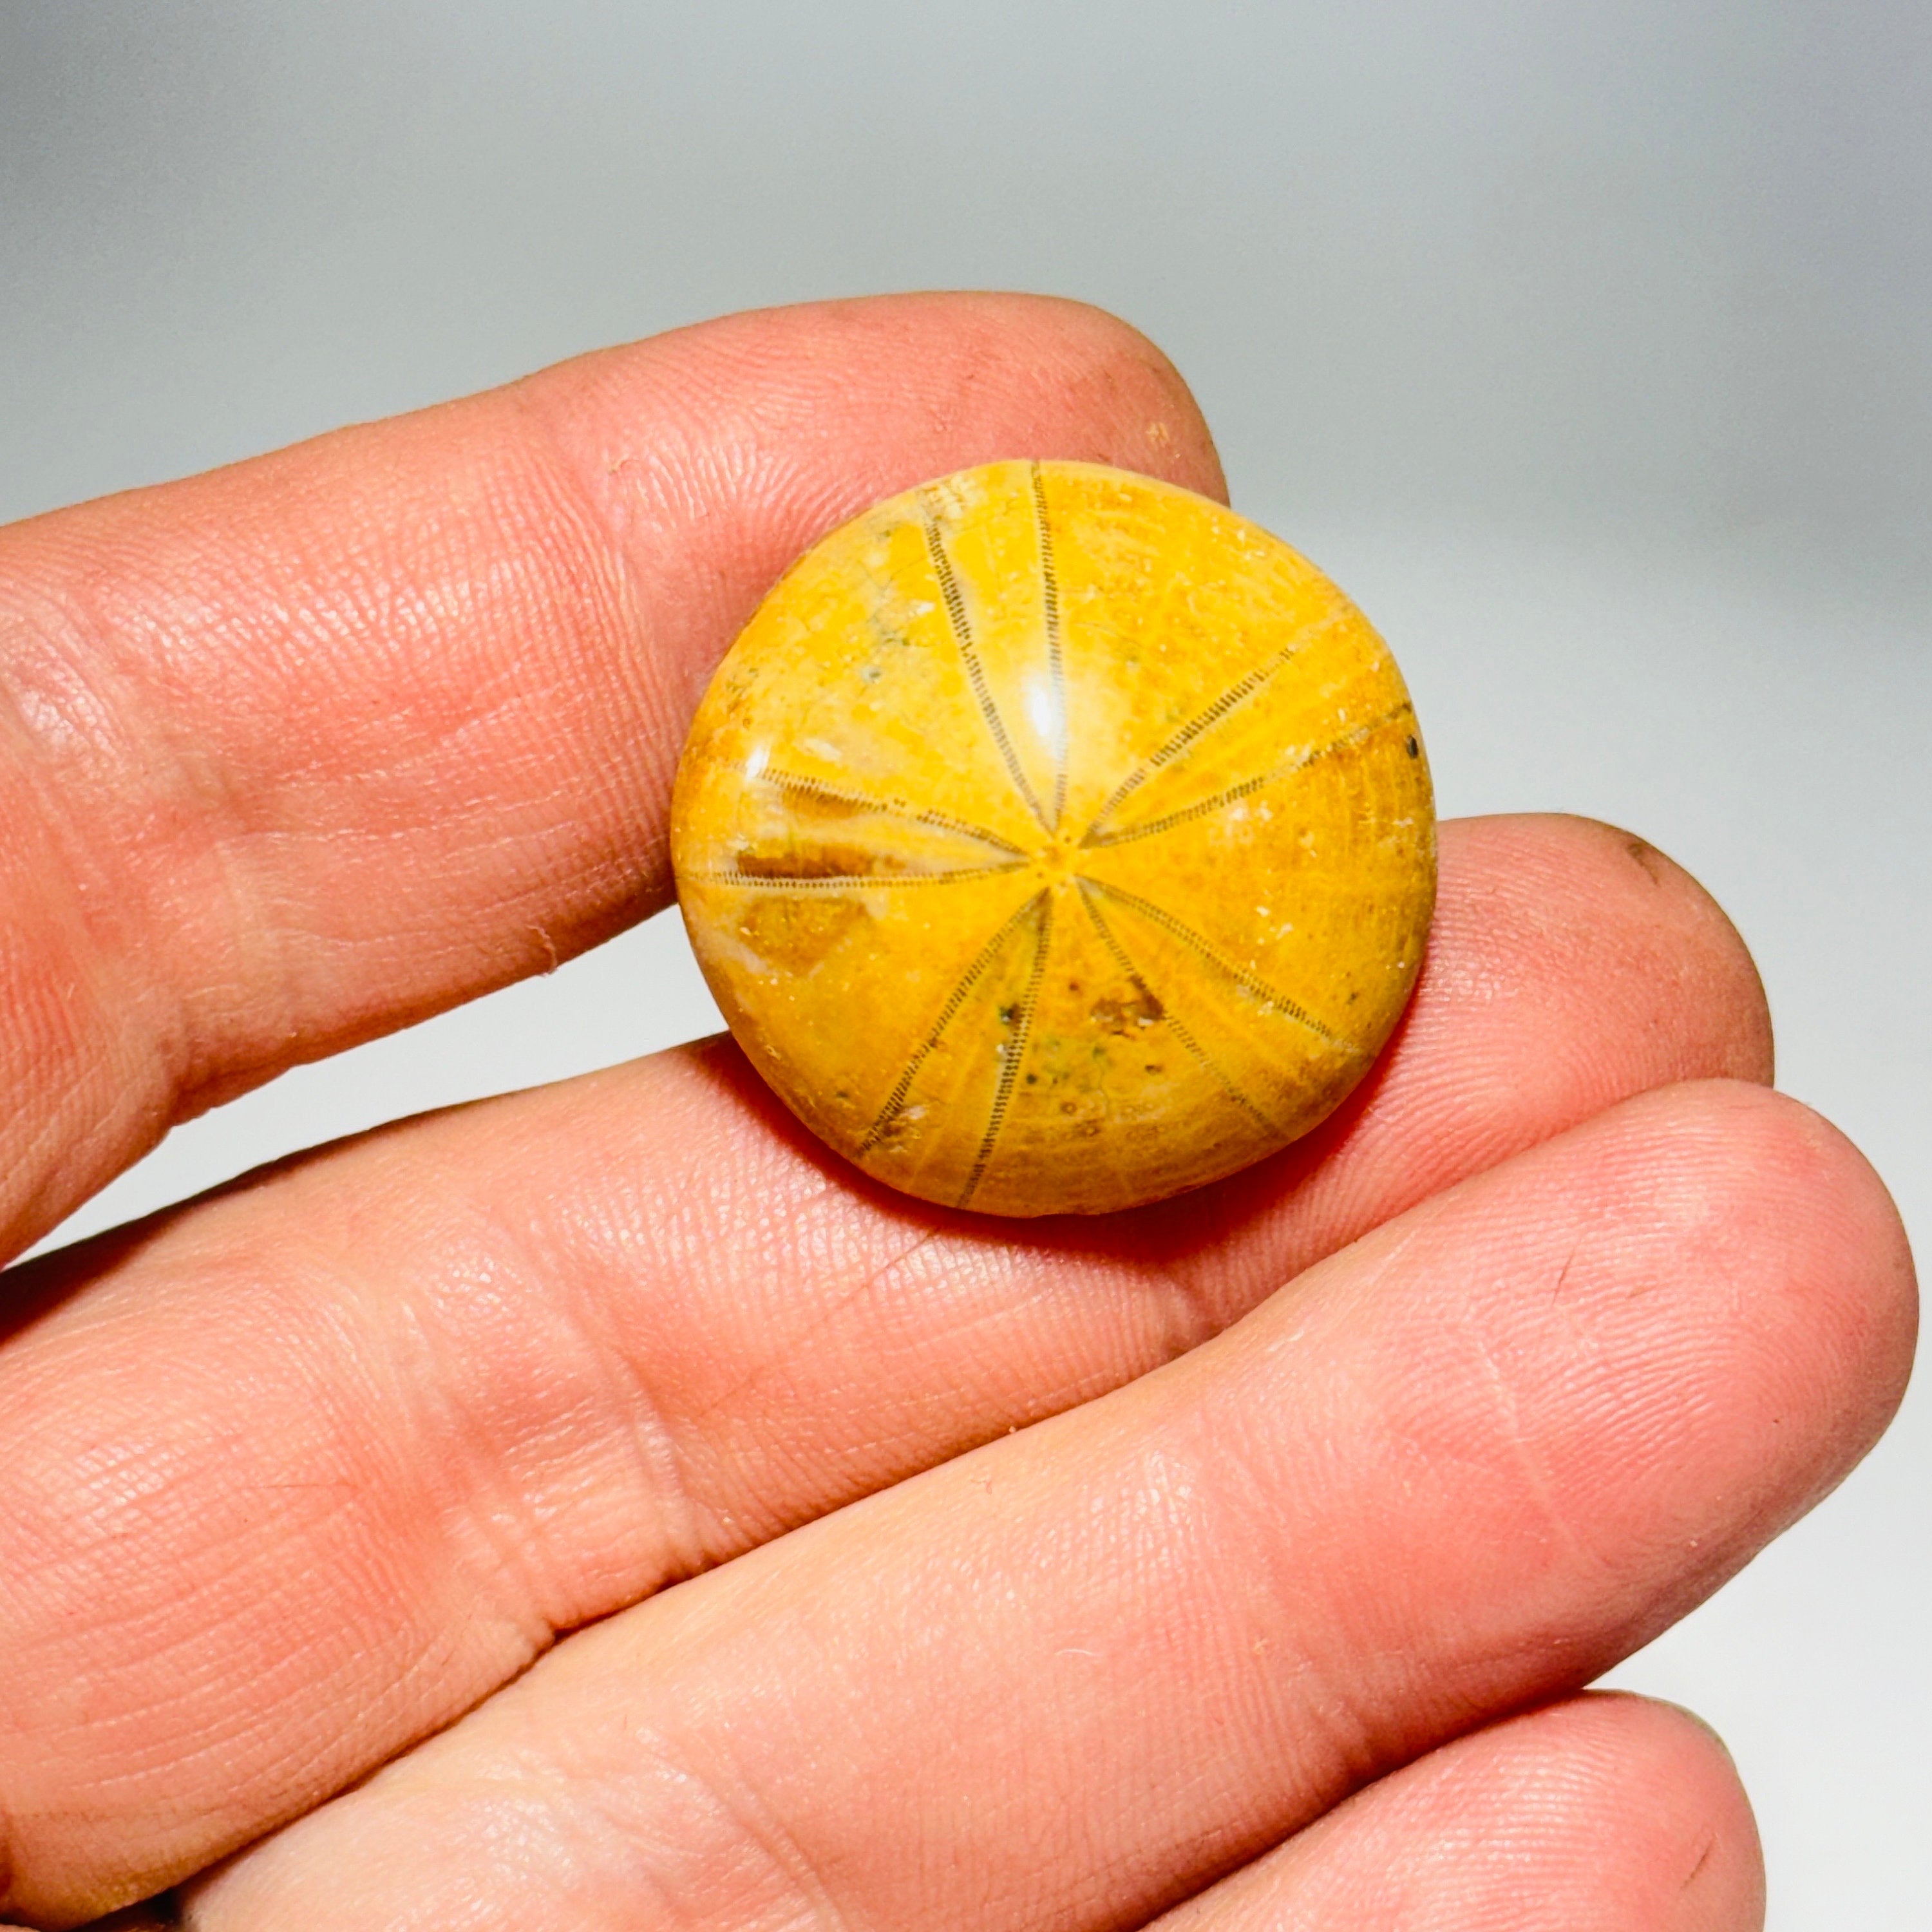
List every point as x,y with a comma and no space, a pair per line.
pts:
1054,840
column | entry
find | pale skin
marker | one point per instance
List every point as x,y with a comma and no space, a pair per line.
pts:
1233,1564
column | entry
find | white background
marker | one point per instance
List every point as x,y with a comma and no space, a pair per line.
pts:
1587,343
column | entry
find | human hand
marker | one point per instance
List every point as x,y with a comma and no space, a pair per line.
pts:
1051,1572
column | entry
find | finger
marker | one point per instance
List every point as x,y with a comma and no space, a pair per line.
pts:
303,750
1604,1814
291,1478
1599,1814
1463,1466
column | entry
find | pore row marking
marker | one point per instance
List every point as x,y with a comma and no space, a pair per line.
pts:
962,636
1170,1018
1299,761
1156,916
897,808
1013,1052
1236,694
847,882
1056,667
970,978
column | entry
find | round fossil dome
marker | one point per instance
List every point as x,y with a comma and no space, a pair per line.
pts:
1054,840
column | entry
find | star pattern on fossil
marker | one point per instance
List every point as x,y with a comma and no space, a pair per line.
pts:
1068,889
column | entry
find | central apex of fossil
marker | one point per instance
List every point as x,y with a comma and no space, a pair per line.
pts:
1059,859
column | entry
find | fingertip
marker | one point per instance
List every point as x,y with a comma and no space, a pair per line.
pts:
1720,971
1141,407
1599,1814
863,397
1641,1793
1785,1278
1799,1181
1851,1263
1084,385
1604,904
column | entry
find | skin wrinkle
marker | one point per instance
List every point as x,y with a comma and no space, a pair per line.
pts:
472,1486
1743,1537
686,491
1339,1741
975,1257
1517,1442
762,1830
424,1381
230,1822
755,1190
829,1311
1132,1290
974,1254
1702,1861
730,1529
593,1822
185,794
559,1825
56,1000
685,1546
624,648
527,1253
129,1508
290,1752
416,1640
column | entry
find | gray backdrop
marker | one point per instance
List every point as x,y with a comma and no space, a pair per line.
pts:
1586,342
